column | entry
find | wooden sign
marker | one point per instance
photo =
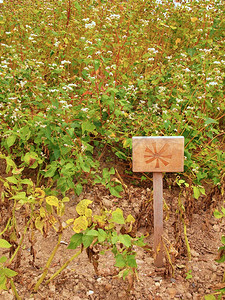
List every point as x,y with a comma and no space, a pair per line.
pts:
158,154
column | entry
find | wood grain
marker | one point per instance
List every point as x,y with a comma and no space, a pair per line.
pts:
158,218
158,154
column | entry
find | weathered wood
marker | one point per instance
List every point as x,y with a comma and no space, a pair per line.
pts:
158,218
158,154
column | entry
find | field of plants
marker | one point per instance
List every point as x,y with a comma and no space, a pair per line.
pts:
79,79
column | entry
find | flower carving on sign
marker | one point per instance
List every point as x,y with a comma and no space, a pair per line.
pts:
157,156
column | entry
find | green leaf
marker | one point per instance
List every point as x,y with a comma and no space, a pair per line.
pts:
27,181
102,235
115,190
78,189
125,239
3,259
196,191
223,240
10,140
51,171
223,210
77,5
92,232
20,196
120,261
4,244
114,238
2,282
117,216
131,261
217,214
75,241
9,273
12,179
125,273
210,121
87,240
210,297
88,126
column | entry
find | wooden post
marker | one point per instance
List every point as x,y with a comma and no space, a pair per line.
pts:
158,154
158,218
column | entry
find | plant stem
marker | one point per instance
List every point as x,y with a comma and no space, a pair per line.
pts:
64,266
44,274
21,241
14,290
7,225
186,241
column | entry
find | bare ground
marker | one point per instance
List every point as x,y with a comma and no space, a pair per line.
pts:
80,281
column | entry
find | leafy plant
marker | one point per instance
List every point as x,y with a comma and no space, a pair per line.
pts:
100,233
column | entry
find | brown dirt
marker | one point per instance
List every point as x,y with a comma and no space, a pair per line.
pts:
79,280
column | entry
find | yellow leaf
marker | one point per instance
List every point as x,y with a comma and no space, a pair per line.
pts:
130,219
42,212
52,200
88,213
39,193
65,199
80,224
82,206
69,221
39,224
178,40
194,19
66,41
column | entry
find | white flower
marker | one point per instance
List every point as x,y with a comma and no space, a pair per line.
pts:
65,62
22,83
114,16
85,109
90,25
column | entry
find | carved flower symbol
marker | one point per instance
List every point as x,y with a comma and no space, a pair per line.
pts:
158,156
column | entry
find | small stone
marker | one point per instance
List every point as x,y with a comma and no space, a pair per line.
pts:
172,292
6,296
216,228
52,287
90,292
157,279
214,277
194,253
201,290
213,268
188,295
157,284
106,202
173,280
122,294
108,287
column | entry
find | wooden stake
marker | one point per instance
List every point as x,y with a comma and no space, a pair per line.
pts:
158,154
158,217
